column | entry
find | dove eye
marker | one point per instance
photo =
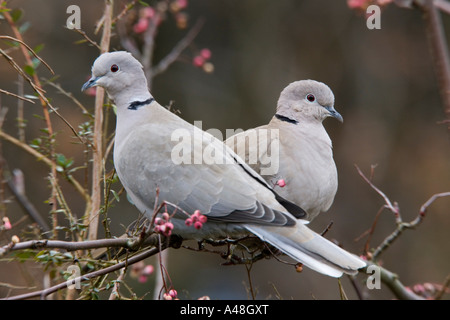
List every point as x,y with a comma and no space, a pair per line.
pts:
114,68
310,97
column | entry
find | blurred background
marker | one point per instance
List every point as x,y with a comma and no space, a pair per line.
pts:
385,88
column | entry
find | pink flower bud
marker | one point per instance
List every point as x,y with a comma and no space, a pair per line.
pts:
198,225
281,183
188,222
141,25
165,216
167,296
173,293
7,223
202,218
142,278
147,12
198,61
148,270
205,53
169,225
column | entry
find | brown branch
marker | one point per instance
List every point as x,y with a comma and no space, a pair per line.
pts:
93,217
438,49
16,96
43,293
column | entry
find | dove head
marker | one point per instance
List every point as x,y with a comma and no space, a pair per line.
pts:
121,75
307,100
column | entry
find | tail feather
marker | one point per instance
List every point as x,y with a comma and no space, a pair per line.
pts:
311,249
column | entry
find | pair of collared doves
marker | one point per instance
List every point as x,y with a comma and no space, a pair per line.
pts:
160,157
303,158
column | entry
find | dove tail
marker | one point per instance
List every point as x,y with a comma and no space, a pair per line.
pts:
311,249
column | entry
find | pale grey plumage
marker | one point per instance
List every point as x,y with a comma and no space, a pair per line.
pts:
235,198
305,149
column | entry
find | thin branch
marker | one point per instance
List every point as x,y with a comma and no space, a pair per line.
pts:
386,199
16,96
29,49
178,49
95,44
127,243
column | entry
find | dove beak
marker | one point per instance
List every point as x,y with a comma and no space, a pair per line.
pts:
92,82
333,113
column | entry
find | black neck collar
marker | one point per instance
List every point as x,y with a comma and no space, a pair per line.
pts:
137,104
285,119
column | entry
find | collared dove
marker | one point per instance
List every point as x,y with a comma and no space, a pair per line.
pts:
304,161
157,150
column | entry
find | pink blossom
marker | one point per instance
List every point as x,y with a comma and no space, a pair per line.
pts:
173,293
198,225
147,12
198,61
7,223
167,296
281,183
141,25
182,4
357,4
148,270
205,53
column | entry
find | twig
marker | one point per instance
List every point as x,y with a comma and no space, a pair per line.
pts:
29,49
127,243
95,44
177,50
386,199
16,96
406,225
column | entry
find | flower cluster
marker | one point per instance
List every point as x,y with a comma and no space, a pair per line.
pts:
201,60
163,225
197,219
157,14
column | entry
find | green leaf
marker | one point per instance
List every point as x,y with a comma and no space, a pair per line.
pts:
116,196
38,48
16,14
29,70
24,27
